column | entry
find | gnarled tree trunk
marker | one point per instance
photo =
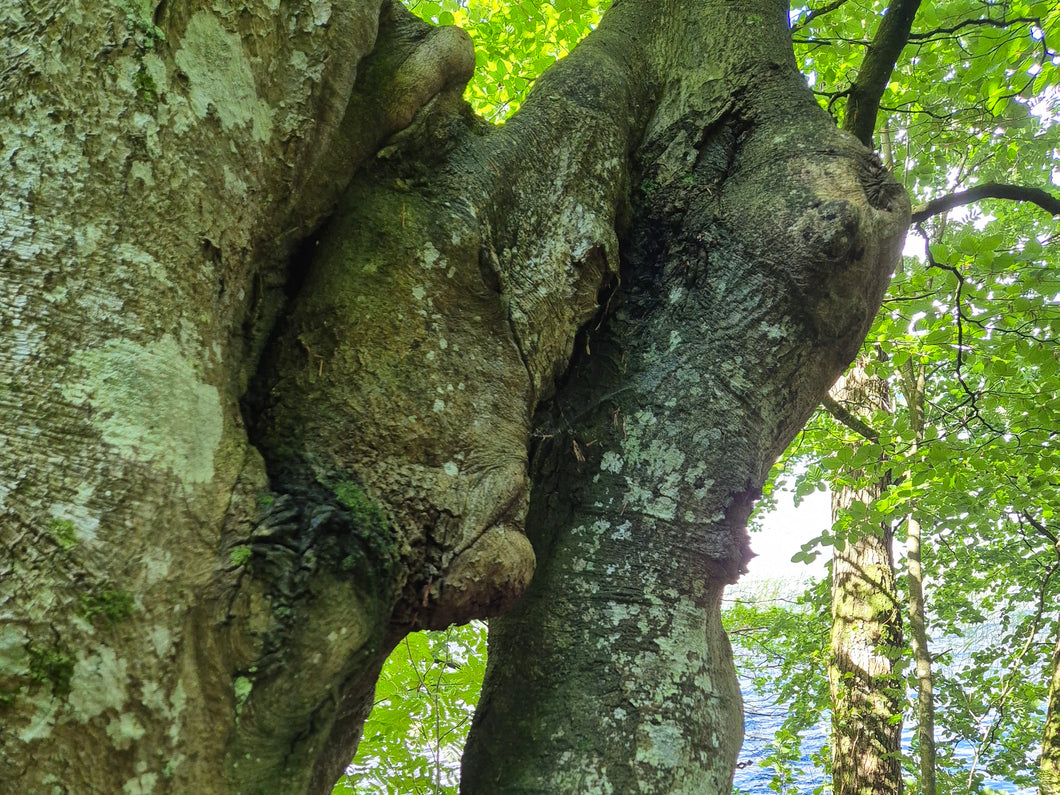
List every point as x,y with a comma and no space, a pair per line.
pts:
760,240
244,453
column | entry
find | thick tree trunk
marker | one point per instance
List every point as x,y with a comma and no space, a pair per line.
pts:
867,697
739,303
191,609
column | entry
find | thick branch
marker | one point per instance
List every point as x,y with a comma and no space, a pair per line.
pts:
891,38
988,190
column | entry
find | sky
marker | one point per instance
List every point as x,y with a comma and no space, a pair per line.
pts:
784,532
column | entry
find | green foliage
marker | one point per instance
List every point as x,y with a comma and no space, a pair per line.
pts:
514,42
424,701
780,642
974,98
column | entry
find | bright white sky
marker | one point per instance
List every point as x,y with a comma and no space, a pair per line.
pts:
784,532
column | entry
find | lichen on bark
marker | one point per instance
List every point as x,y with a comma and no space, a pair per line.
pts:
348,459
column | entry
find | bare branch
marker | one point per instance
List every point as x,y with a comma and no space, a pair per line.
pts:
988,190
816,13
847,418
891,37
994,23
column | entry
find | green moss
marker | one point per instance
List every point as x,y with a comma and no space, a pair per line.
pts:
64,533
239,555
7,698
369,552
139,20
266,500
106,605
241,688
53,667
146,88
366,513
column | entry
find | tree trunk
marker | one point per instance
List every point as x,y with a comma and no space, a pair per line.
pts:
913,391
240,464
1049,770
867,697
730,321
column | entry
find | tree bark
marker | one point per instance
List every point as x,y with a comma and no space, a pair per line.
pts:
1049,766
866,638
913,391
240,463
738,305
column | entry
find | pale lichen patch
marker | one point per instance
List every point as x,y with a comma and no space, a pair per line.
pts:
43,712
155,564
143,784
220,78
148,402
99,682
124,730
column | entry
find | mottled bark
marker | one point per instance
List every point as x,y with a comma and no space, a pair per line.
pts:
913,390
1049,766
190,606
160,162
866,637
760,241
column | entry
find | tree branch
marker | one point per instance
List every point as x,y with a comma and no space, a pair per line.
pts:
994,23
866,92
988,190
815,13
847,418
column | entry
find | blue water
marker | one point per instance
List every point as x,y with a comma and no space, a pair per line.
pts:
763,718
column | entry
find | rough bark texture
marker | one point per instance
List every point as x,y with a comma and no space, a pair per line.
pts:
912,379
1049,766
866,638
192,606
159,163
761,239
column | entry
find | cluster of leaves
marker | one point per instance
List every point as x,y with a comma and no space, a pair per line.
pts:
514,42
781,646
424,702
974,99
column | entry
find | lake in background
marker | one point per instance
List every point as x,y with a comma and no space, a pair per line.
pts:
763,717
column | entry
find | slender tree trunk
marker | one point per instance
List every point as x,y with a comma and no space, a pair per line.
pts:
867,698
1049,771
913,391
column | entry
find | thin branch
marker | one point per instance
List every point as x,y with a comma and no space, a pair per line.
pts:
891,37
846,417
988,190
815,13
994,23
1039,526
